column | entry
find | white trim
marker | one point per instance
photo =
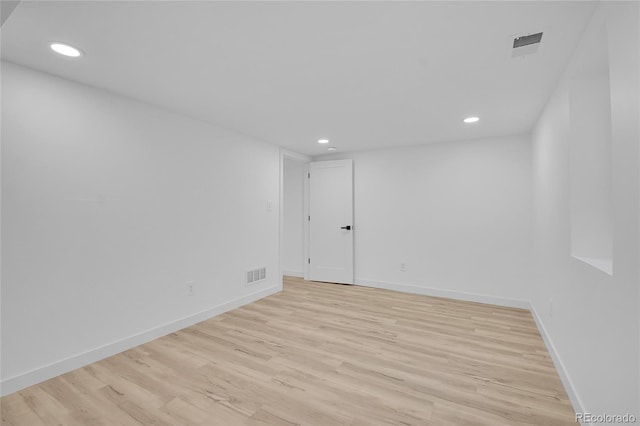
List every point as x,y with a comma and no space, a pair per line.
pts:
41,374
21,381
295,156
281,159
576,402
305,243
436,292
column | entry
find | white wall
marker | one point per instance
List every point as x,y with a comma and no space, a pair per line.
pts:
591,207
590,318
110,207
457,213
292,218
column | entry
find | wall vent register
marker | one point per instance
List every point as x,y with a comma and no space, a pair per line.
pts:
256,275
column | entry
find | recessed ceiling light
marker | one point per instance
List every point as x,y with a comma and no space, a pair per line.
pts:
323,140
331,148
471,119
66,50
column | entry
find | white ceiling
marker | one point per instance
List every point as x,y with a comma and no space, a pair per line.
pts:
364,74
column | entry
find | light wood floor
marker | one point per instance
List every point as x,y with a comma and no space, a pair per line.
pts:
319,354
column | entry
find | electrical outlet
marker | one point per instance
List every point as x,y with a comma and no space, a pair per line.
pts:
191,288
403,266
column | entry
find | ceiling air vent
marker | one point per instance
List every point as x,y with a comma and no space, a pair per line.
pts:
524,45
527,40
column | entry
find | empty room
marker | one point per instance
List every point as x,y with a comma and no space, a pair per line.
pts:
320,213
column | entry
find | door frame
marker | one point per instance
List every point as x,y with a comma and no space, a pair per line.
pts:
306,231
290,155
286,154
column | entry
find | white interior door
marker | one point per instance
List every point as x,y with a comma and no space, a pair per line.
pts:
331,221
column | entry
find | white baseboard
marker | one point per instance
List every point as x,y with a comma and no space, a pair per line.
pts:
576,402
292,273
21,381
449,294
46,372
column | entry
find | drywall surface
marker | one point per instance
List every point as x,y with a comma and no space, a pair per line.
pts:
450,219
292,218
591,317
119,219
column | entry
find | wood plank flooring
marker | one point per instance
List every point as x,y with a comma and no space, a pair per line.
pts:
319,354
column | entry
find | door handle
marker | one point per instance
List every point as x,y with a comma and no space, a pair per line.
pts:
348,227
